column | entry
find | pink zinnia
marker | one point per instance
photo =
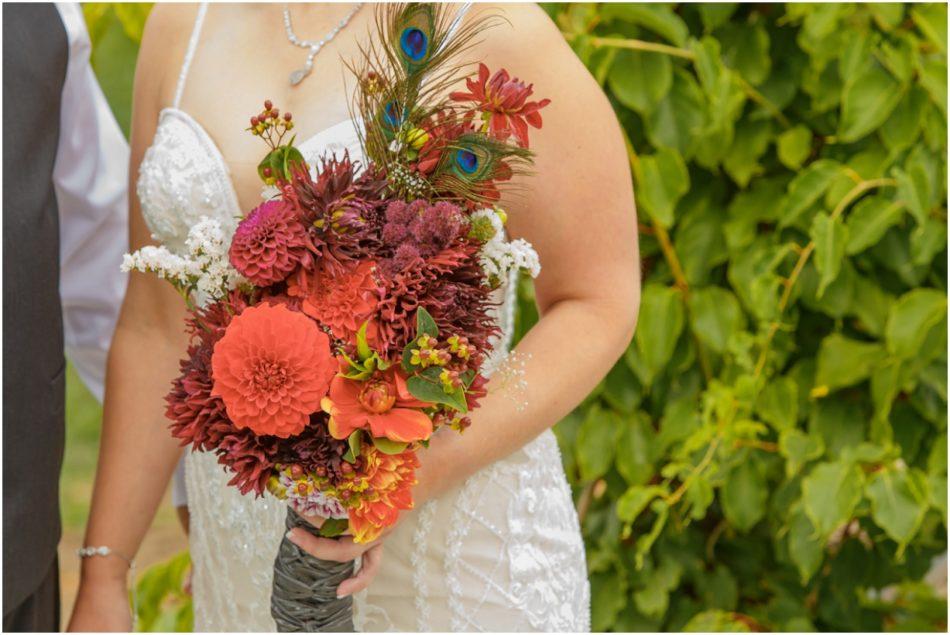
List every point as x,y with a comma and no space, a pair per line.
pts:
268,244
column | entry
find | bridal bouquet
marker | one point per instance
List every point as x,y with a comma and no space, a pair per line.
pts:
348,318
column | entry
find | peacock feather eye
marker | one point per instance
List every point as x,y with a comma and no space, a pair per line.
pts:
392,115
467,161
414,43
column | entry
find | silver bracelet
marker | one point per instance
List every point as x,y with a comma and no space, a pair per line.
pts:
90,552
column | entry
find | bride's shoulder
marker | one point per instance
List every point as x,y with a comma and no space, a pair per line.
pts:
171,20
525,40
164,42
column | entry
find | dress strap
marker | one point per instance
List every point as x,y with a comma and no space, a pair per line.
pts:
190,53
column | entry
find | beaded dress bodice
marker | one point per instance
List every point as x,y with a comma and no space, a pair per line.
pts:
501,552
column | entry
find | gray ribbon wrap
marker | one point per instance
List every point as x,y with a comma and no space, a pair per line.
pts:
304,596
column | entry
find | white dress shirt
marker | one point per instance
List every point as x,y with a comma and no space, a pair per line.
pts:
91,182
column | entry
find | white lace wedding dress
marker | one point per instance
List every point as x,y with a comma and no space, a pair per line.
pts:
502,552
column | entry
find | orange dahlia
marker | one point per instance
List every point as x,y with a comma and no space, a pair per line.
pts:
271,369
388,479
342,300
381,404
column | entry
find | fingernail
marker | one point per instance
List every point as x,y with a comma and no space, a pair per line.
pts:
291,536
340,595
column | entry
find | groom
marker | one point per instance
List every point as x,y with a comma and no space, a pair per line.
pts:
65,165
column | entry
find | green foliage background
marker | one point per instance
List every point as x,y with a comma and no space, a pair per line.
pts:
772,448
771,451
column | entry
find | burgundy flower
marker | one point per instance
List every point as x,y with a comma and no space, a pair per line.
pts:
341,210
505,101
268,244
450,285
427,228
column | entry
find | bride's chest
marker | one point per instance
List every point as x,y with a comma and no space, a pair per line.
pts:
184,176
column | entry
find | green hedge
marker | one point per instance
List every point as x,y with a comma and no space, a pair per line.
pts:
771,451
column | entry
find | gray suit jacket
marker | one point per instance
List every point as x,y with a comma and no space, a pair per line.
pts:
35,56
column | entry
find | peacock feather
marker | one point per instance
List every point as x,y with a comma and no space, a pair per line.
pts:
473,161
405,75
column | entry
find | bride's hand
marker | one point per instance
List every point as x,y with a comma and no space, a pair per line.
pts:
102,605
342,549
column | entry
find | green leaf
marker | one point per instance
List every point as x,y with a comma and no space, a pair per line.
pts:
869,220
794,146
362,346
656,17
333,527
660,325
874,307
355,443
653,598
632,503
425,324
678,119
830,237
634,451
886,381
933,77
799,449
927,241
778,403
386,446
427,387
715,14
845,362
911,318
716,622
745,47
899,500
622,391
806,188
830,493
640,80
840,423
804,547
597,442
931,19
608,597
662,180
714,314
750,143
903,127
744,495
914,190
867,102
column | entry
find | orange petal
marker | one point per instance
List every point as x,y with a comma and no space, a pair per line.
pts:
401,425
341,428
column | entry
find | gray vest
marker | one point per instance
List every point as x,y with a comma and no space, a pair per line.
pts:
35,54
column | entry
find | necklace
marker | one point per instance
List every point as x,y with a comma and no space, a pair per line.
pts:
301,73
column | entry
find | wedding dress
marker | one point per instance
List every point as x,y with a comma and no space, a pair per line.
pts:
501,552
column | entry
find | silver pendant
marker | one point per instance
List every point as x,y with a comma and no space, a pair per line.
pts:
298,76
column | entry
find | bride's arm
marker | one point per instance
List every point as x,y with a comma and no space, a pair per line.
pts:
577,209
137,455
578,212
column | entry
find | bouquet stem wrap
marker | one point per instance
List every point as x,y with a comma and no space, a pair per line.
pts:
304,596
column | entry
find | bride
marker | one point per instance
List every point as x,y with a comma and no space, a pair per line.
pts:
493,543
